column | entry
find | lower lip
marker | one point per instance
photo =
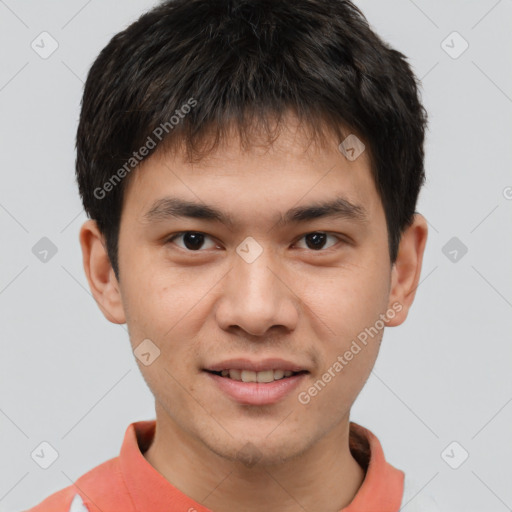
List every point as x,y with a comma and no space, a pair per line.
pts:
257,393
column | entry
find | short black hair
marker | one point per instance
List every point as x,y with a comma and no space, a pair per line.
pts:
187,71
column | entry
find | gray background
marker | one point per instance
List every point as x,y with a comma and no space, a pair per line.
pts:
67,375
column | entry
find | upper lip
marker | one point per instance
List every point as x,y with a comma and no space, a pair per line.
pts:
256,366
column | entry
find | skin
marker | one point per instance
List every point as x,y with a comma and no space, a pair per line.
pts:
295,302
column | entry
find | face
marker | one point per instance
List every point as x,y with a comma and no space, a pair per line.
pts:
264,280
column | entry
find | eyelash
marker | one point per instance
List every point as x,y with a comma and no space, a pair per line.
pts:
181,233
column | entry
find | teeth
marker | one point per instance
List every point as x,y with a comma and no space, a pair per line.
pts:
251,376
235,374
248,376
266,376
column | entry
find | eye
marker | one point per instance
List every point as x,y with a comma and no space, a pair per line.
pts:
316,240
192,240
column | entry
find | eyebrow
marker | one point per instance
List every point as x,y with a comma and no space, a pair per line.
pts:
173,207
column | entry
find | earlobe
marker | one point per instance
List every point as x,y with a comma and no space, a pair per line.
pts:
100,275
406,271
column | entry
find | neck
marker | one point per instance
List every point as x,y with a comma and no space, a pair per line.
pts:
325,478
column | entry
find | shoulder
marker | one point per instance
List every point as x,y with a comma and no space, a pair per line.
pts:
416,498
95,490
65,500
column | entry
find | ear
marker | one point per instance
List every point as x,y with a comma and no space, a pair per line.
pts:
405,274
100,274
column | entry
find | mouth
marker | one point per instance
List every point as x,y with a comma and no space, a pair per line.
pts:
264,376
263,383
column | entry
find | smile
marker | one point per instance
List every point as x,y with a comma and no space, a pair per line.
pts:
256,392
252,376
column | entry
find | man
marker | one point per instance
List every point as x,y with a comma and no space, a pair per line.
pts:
251,170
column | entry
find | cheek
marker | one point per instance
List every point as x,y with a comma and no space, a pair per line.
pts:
159,298
346,300
171,309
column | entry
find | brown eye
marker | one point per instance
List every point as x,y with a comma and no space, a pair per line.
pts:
191,240
316,241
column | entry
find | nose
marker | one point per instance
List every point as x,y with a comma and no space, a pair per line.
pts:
257,297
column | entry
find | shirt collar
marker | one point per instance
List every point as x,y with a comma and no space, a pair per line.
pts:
383,486
381,490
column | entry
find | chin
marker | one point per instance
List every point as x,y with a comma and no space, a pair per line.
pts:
259,450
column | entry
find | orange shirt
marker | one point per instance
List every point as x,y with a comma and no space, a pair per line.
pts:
128,483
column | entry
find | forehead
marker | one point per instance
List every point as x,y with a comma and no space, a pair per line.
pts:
291,172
